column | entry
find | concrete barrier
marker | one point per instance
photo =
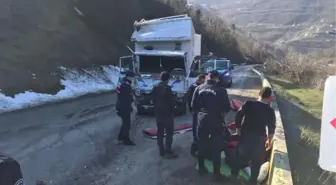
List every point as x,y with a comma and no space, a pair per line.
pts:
280,172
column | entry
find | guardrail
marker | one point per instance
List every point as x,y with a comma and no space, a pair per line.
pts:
280,172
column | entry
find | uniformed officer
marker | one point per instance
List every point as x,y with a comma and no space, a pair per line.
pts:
257,115
163,100
199,81
211,101
124,107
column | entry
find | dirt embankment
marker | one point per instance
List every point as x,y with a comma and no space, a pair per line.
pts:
39,36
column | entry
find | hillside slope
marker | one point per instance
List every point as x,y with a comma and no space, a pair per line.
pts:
302,24
38,36
36,41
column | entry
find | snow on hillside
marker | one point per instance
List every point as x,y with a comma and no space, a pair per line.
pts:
76,83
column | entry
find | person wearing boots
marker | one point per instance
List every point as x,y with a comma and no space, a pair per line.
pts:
124,107
251,121
212,103
163,100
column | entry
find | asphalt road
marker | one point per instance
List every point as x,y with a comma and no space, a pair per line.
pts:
72,143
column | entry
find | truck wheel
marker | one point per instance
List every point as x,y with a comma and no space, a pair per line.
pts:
230,84
140,109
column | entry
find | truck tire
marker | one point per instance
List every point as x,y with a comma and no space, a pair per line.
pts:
229,85
140,109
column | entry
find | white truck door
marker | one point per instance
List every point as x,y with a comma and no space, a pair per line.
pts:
197,44
125,63
327,158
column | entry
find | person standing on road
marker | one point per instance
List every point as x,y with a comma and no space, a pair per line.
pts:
163,100
199,81
124,107
212,104
257,115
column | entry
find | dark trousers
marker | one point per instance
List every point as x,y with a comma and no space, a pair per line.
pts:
125,127
165,127
250,148
194,126
209,146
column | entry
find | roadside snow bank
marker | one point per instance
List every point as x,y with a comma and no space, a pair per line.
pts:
76,83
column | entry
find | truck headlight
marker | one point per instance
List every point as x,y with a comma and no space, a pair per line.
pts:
137,92
227,74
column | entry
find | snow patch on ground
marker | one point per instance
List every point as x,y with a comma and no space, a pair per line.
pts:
76,83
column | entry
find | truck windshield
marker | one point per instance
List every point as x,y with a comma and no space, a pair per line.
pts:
157,64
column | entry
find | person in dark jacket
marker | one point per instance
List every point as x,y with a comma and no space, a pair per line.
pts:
163,100
257,115
199,81
10,171
212,103
124,107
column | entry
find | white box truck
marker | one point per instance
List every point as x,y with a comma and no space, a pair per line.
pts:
163,44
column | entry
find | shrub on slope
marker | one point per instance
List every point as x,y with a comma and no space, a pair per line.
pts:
305,69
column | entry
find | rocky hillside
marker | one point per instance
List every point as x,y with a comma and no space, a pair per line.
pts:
305,25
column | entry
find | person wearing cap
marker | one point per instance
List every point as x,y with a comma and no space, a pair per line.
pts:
163,100
257,115
212,104
199,81
124,107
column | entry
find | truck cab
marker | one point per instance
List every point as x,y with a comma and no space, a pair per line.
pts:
164,44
